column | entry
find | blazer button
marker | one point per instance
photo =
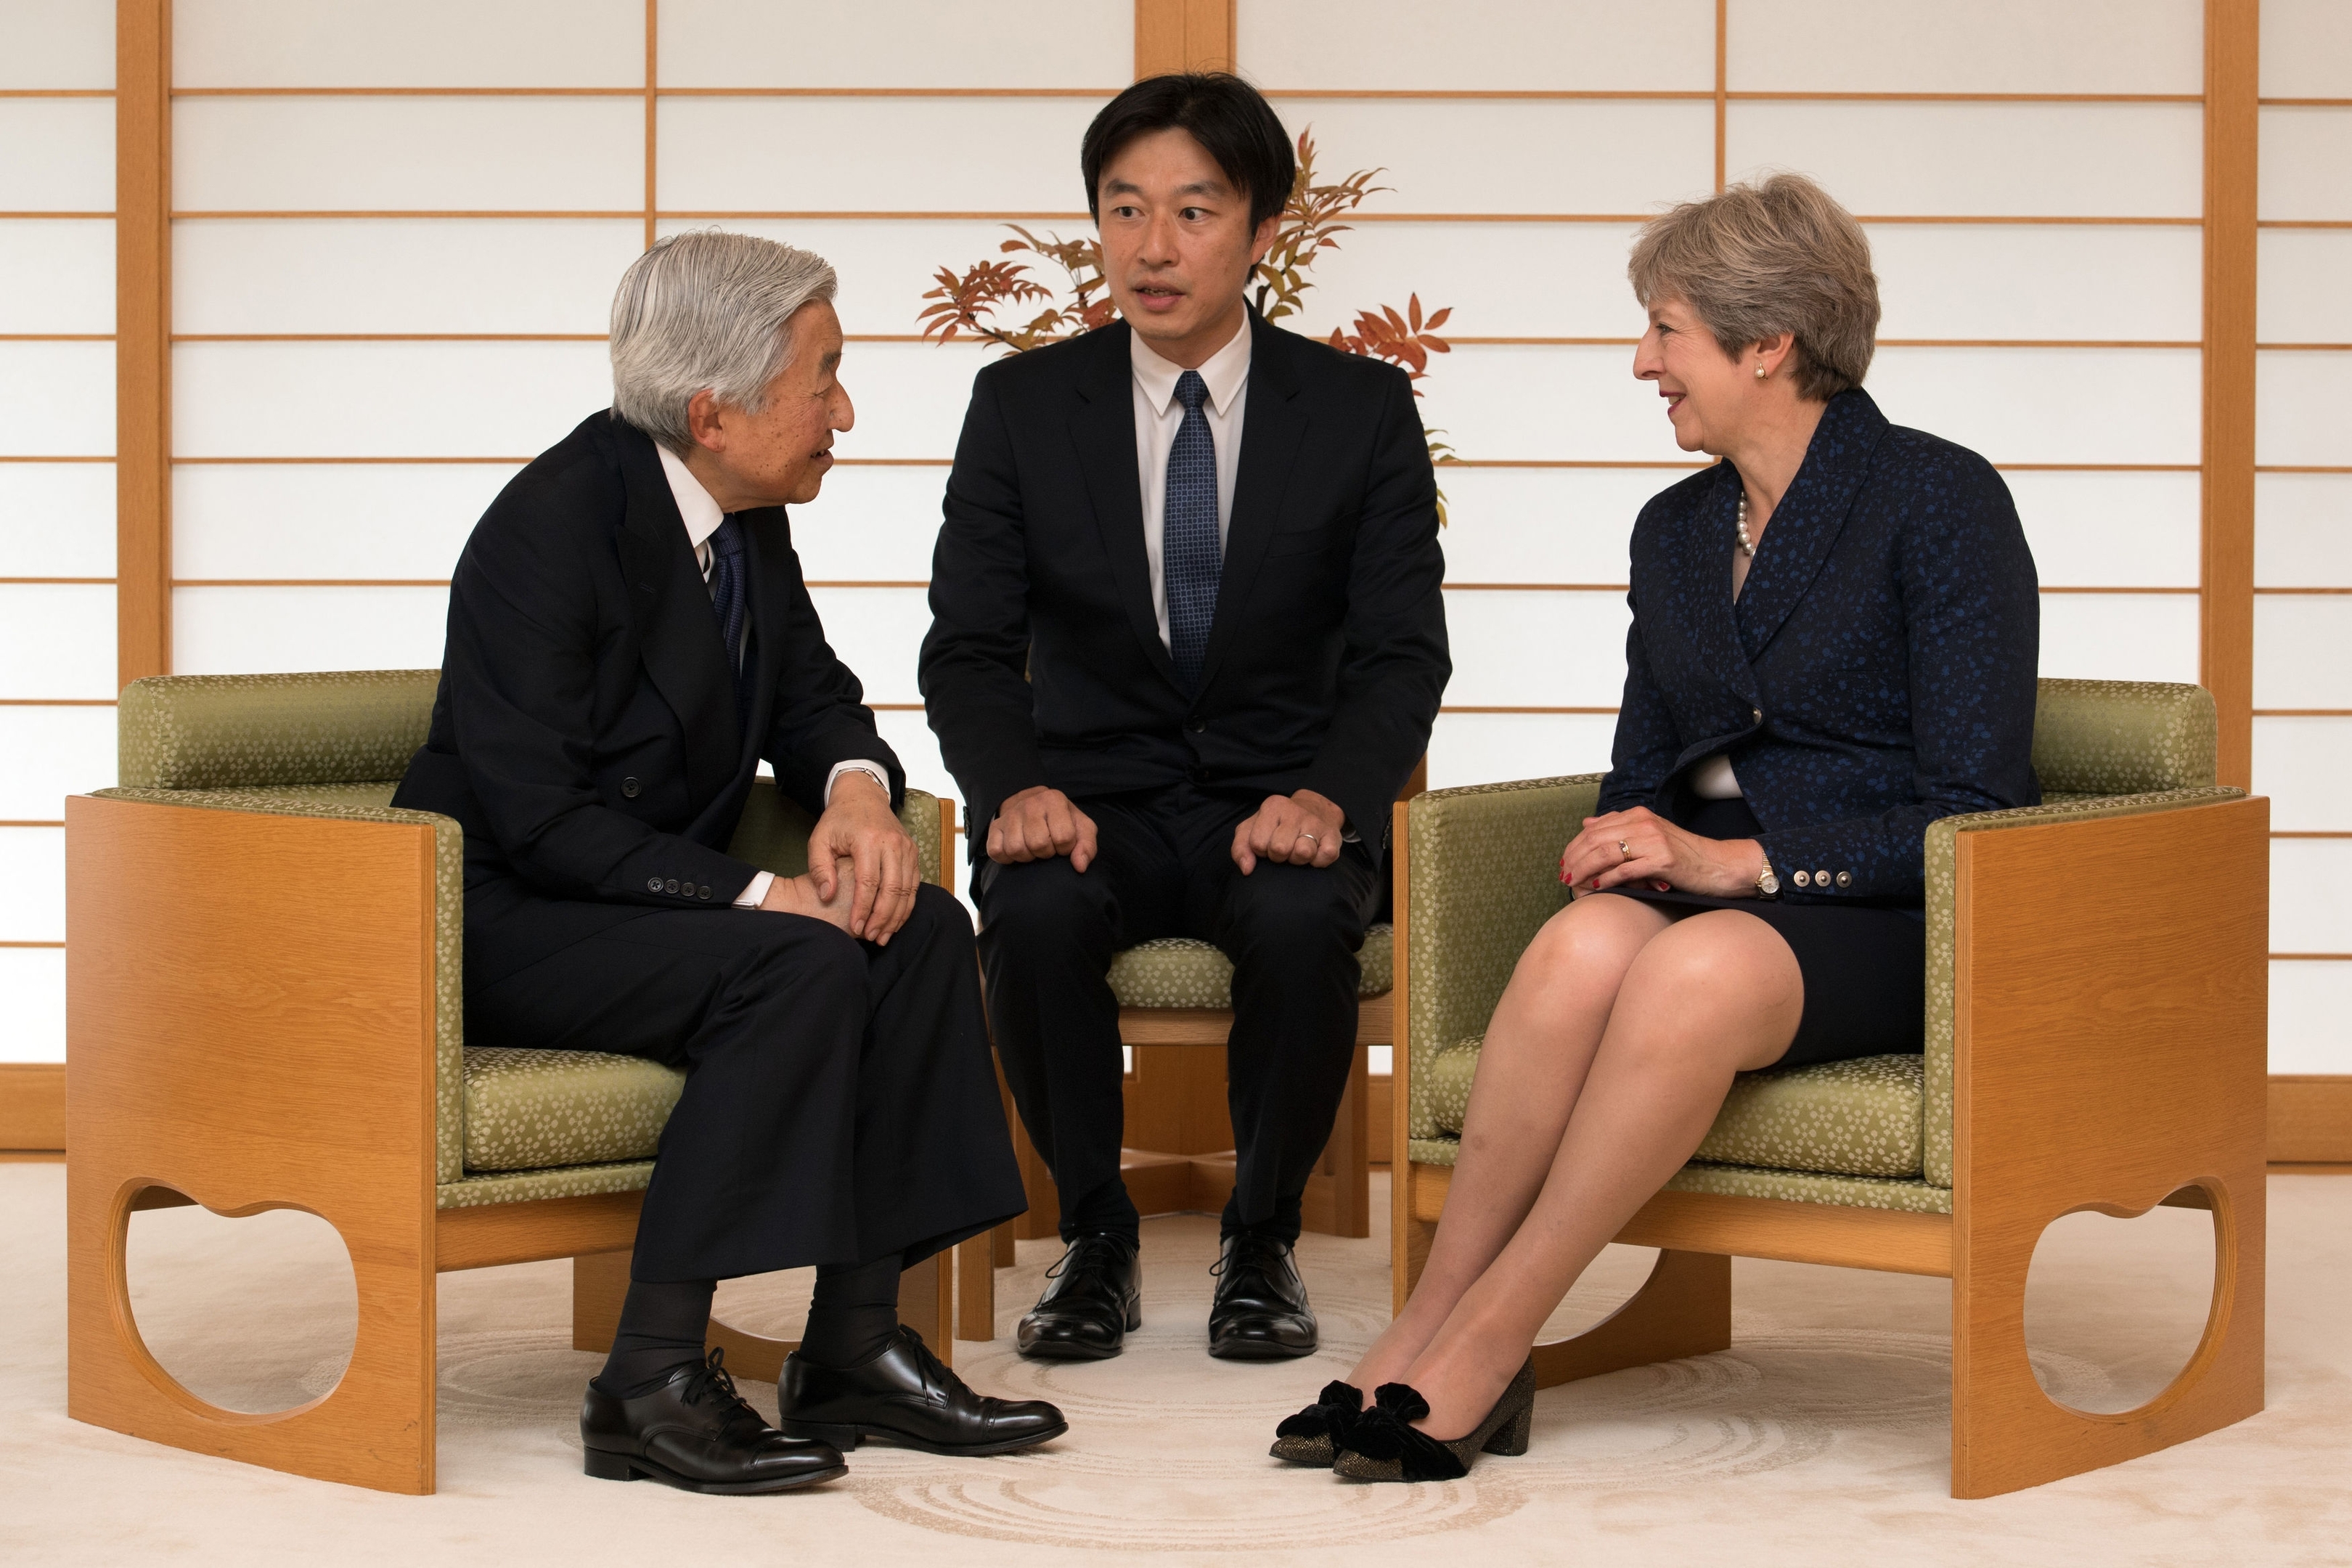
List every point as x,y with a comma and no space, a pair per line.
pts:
1820,878
1756,714
1197,726
1804,878
703,893
631,788
653,884
670,886
1845,879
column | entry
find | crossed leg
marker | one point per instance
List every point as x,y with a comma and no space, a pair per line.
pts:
1607,1060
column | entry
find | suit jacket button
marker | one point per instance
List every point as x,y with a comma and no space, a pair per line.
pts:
670,886
1197,726
1756,714
1804,878
1845,879
1820,878
703,893
631,788
653,884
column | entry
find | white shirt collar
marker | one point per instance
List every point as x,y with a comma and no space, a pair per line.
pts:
1225,373
694,503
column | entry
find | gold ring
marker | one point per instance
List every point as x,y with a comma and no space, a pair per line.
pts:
1625,850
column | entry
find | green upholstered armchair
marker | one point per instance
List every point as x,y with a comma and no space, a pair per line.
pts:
2094,1040
265,1010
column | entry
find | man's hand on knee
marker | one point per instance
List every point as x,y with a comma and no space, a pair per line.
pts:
1038,824
1299,829
799,896
883,871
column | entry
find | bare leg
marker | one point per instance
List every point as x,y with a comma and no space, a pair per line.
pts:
1537,1050
1713,994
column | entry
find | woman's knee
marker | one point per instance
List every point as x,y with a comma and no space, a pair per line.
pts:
1722,984
1588,945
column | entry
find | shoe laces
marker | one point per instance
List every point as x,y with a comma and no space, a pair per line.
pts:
1062,1264
712,1379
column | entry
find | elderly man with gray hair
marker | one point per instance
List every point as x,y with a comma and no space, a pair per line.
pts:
629,636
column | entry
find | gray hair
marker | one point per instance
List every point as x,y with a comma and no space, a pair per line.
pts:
1757,260
706,311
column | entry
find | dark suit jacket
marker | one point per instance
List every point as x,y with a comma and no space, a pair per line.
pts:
585,734
1326,655
1876,673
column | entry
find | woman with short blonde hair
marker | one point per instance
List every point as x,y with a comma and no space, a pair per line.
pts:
1833,645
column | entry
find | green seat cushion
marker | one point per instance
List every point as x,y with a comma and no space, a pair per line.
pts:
1859,1118
1180,972
528,1111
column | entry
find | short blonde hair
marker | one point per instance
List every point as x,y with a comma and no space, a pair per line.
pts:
1758,260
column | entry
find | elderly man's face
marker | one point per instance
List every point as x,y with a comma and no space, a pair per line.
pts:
778,457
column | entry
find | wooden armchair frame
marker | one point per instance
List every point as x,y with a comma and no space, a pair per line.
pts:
251,1025
2109,995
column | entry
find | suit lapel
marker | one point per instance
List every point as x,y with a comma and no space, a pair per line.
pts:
1810,516
1102,430
1702,556
676,629
1273,424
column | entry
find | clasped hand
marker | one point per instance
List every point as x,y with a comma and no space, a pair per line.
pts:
1302,829
1642,848
871,895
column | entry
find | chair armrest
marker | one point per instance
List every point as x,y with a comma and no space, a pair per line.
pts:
1943,855
774,832
1478,876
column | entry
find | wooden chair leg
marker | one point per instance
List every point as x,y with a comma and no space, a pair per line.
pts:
599,1282
976,1286
1000,1245
1683,1309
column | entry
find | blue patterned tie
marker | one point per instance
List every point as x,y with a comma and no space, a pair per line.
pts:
727,600
1191,557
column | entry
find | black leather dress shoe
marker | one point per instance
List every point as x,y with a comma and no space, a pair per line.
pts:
696,1432
904,1393
1093,1300
1260,1312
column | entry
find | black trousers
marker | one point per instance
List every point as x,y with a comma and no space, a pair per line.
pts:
1164,868
839,1102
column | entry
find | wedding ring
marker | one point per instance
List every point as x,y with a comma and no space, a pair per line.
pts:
1625,850
1316,837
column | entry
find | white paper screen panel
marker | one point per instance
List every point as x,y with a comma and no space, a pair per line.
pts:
1653,46
1985,46
883,267
57,275
2309,1003
2307,162
330,520
75,171
2027,406
871,523
52,752
58,45
2300,296
56,520
2065,281
2120,159
57,640
2303,538
877,632
909,735
2111,530
271,631
1543,525
2303,651
56,400
2306,49
2119,636
32,1026
2309,912
912,154
427,153
2302,765
1528,649
905,43
33,867
408,43
1482,748
398,275
2300,404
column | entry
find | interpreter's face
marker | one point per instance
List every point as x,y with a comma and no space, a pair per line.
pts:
1177,244
1708,391
780,456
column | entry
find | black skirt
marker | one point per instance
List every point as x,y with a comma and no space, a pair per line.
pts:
1864,967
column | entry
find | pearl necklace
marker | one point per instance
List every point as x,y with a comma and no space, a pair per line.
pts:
1746,545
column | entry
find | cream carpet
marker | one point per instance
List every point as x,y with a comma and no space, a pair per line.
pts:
1821,1437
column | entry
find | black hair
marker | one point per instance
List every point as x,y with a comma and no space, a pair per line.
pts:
1230,118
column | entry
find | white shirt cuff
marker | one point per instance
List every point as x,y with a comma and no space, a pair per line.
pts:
755,892
875,770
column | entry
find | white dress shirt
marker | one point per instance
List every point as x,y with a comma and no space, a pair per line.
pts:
1157,418
703,517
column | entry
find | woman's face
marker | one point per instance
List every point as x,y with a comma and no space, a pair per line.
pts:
1708,391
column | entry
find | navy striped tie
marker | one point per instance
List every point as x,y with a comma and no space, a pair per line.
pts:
727,601
1191,557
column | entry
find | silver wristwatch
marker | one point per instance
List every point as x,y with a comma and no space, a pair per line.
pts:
1768,883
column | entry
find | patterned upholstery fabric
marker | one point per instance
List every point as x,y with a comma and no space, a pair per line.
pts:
1857,1117
2122,737
1179,971
333,746
1749,1182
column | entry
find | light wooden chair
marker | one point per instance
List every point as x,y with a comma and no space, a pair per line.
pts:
2094,1041
264,1011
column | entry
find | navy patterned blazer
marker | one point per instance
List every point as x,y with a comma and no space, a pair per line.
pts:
1876,672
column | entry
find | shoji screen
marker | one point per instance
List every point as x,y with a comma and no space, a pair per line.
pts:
397,233
2303,526
57,481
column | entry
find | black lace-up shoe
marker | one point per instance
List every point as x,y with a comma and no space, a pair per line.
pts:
906,1395
1093,1300
696,1432
1260,1311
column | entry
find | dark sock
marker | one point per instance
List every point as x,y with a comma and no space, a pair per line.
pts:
853,1313
1283,1225
662,1325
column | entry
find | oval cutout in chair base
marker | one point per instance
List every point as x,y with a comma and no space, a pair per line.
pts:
2115,1308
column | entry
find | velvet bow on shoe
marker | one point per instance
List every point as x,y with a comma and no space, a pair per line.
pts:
1316,1434
1386,1447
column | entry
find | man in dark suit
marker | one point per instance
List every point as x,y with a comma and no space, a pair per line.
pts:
1187,645
628,636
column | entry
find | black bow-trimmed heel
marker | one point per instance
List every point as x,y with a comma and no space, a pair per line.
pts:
1316,1434
1385,1446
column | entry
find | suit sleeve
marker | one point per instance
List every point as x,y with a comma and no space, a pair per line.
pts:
820,717
1647,742
1972,605
1395,663
520,683
975,661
